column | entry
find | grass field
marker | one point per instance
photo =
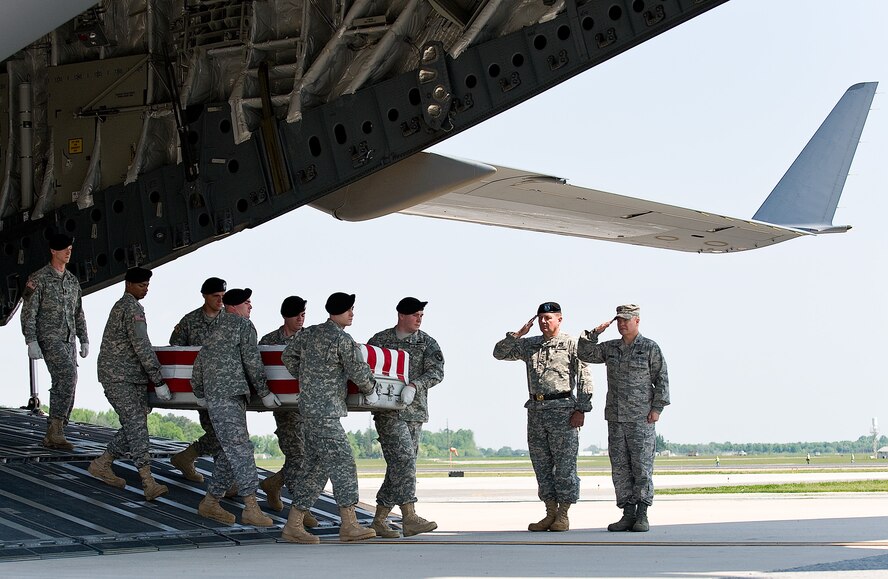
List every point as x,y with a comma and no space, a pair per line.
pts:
599,465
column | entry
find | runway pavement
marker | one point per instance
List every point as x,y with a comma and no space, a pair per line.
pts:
482,533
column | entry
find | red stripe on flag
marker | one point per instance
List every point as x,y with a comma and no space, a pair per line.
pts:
401,360
177,357
387,362
353,388
371,357
284,386
272,358
175,385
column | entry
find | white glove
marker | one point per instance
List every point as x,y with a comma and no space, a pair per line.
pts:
372,397
202,402
408,393
271,400
34,352
163,393
84,349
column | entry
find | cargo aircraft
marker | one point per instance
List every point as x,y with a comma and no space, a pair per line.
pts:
147,129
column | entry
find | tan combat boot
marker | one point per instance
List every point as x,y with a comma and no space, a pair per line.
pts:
272,487
184,461
561,522
210,508
626,522
294,531
309,520
55,435
380,525
150,487
253,515
413,524
546,522
101,469
349,529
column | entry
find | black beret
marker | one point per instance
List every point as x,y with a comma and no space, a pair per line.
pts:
60,241
213,285
339,303
549,308
236,296
137,274
293,306
409,306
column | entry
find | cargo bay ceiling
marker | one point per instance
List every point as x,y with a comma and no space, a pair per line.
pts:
148,128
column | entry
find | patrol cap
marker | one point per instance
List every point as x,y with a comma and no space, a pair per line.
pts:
549,308
138,275
60,241
236,296
628,311
409,306
292,306
339,303
213,285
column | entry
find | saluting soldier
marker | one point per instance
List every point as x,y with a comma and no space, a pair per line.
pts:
126,363
289,422
560,391
52,316
191,331
637,393
400,430
227,365
323,358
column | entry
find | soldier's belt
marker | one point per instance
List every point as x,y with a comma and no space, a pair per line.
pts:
541,397
389,368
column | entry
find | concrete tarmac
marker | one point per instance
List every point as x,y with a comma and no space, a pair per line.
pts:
482,524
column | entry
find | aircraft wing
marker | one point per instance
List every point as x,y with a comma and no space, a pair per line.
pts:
432,185
535,202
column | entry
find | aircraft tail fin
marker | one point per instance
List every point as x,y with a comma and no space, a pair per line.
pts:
807,195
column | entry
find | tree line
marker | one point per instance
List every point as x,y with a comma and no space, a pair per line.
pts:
863,446
364,443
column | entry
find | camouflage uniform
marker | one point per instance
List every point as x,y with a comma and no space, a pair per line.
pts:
400,430
324,357
52,315
192,330
289,423
636,384
126,363
226,366
553,369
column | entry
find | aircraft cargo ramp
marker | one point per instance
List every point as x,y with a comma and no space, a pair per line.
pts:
51,507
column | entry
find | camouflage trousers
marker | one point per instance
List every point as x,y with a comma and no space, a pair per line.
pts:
328,455
399,486
631,447
208,443
235,462
130,401
291,439
61,361
553,444
415,428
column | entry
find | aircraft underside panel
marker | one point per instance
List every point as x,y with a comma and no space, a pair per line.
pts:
51,507
163,215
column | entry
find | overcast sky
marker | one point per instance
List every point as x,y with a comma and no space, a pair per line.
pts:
777,344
